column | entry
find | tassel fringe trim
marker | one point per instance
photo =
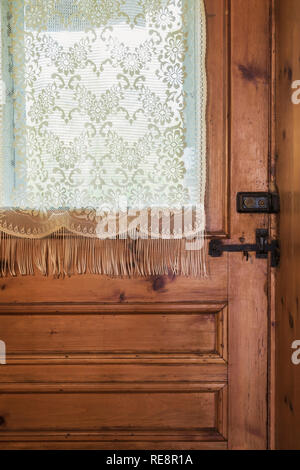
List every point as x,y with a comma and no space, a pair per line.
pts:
63,254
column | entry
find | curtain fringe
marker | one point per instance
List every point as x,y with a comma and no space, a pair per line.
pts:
64,254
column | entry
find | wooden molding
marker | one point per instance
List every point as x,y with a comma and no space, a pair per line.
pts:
218,201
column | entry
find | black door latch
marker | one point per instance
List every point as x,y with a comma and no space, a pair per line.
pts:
262,247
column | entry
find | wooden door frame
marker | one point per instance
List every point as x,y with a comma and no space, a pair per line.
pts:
286,383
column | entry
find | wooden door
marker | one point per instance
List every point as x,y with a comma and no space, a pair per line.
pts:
160,362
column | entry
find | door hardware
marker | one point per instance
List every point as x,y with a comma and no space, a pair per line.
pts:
257,203
262,248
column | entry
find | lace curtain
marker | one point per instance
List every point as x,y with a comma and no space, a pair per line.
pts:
103,136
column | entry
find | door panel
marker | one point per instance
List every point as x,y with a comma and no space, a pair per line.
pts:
163,333
166,361
160,411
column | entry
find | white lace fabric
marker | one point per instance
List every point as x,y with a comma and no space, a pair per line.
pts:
103,110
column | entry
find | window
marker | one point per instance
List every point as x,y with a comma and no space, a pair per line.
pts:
104,102
103,113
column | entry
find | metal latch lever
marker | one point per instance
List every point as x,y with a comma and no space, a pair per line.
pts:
262,247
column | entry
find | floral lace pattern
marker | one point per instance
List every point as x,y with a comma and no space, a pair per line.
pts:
105,101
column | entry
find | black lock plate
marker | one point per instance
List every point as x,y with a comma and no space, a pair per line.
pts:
257,203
